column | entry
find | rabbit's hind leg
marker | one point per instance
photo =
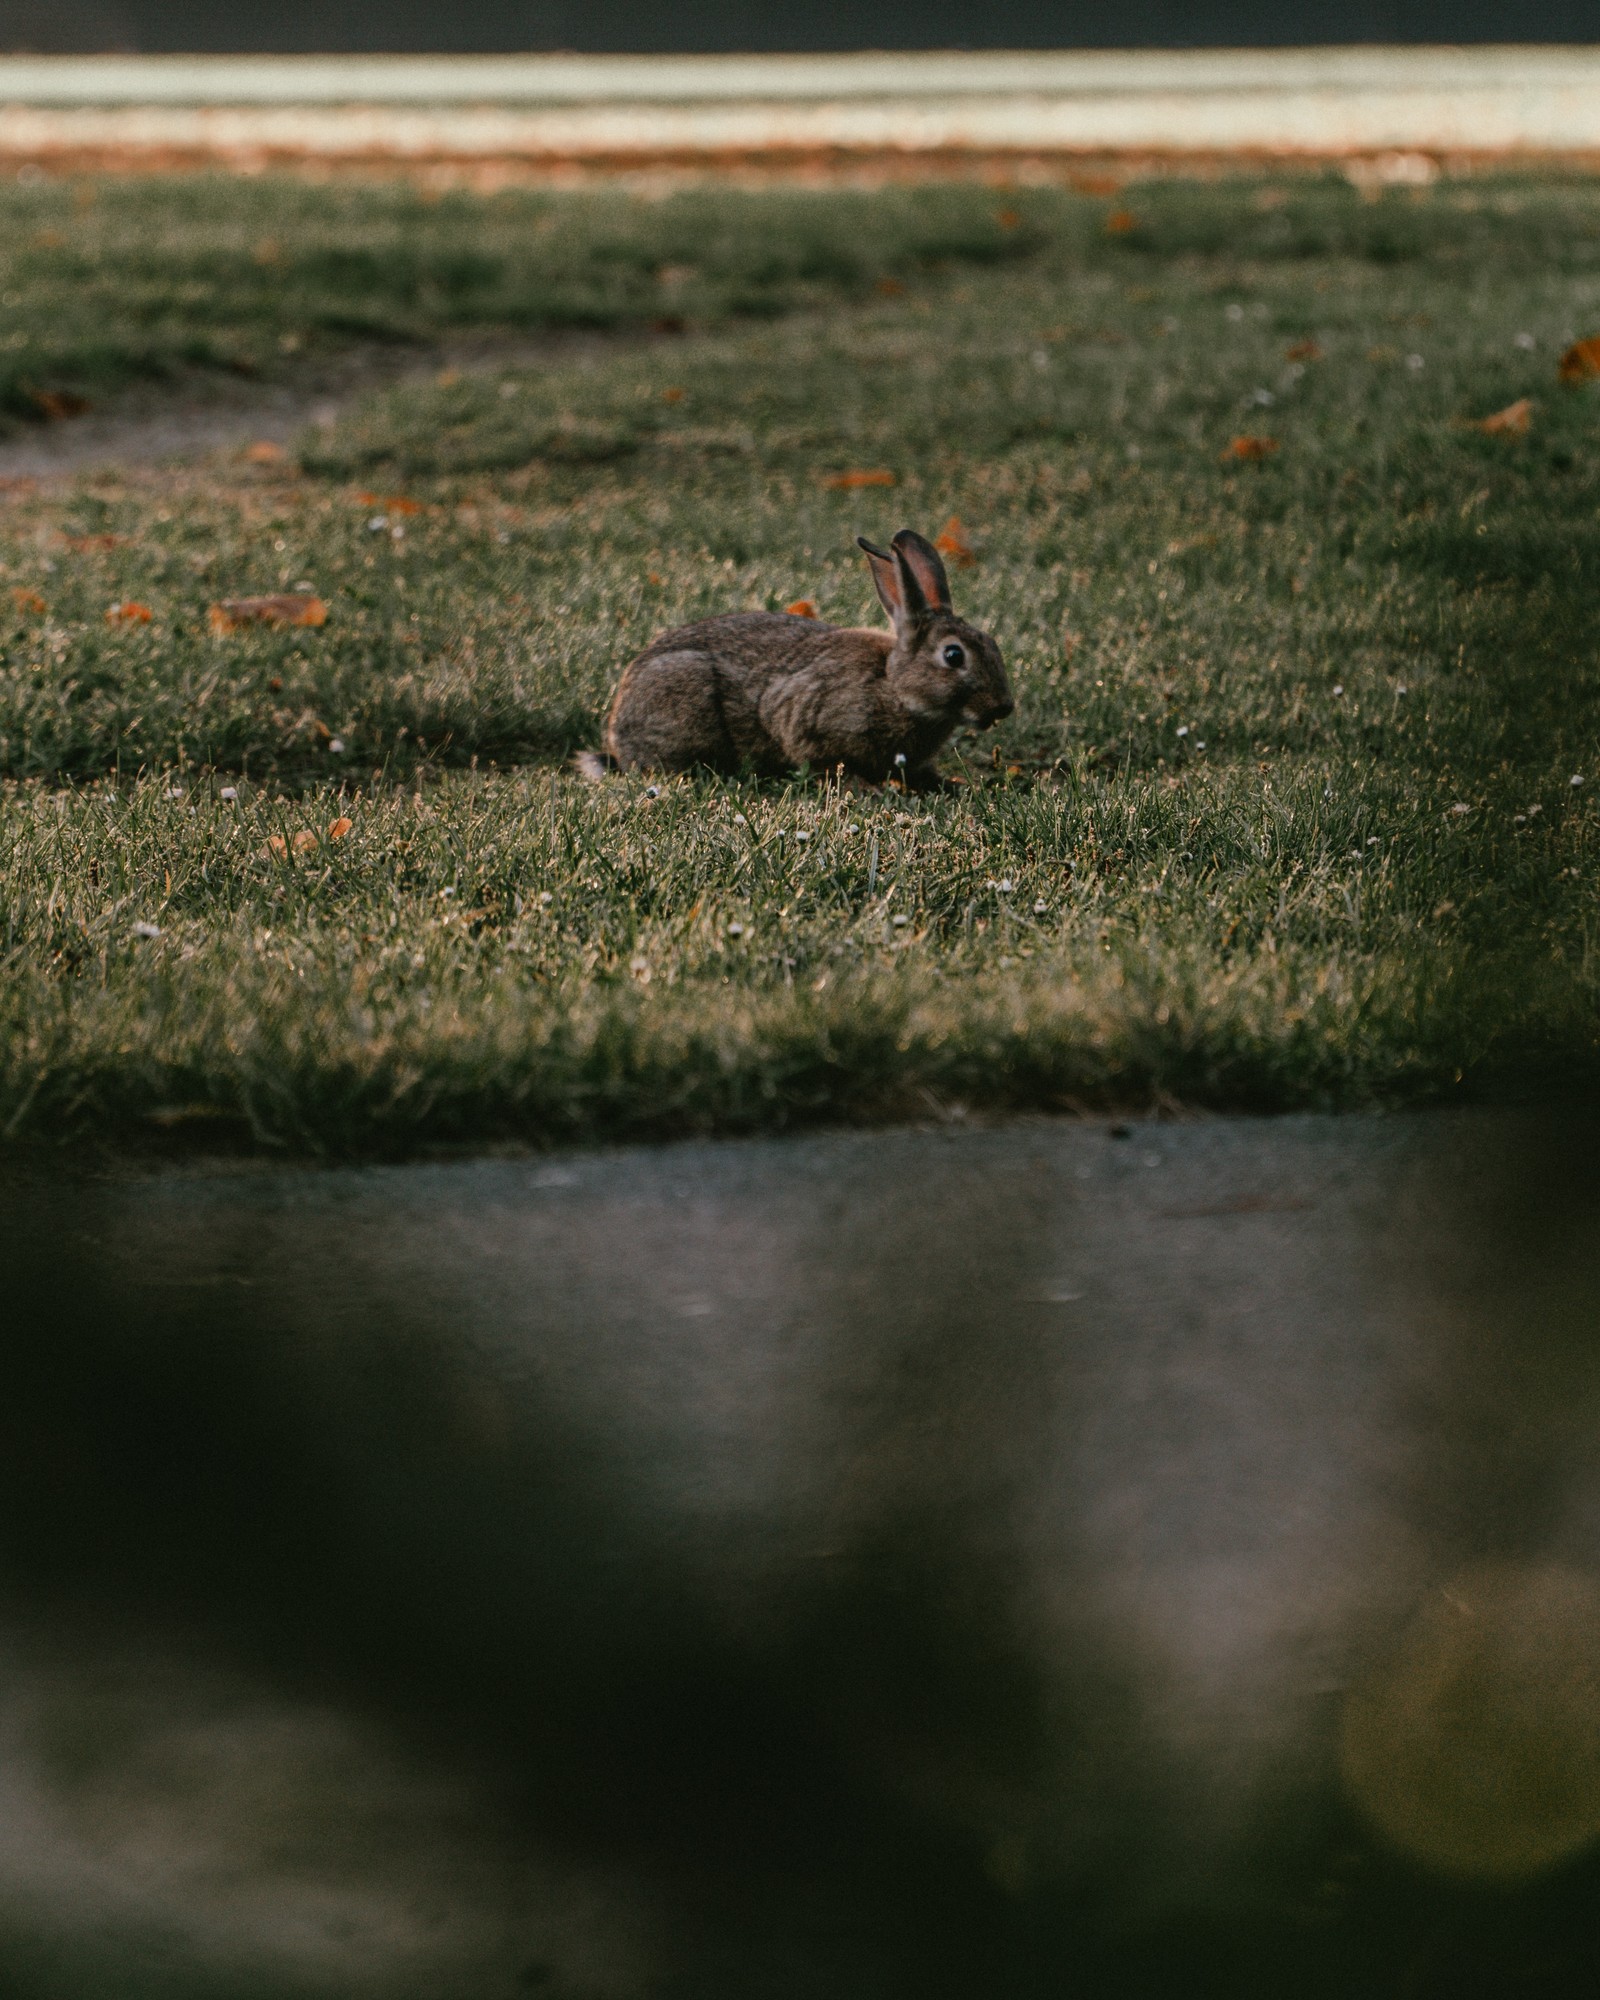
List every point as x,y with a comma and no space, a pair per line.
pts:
668,716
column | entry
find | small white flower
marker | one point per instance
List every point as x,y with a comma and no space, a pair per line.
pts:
1400,690
1040,907
1183,728
1199,743
174,791
900,922
1005,887
740,820
1263,398
1339,689
503,536
1526,342
1519,819
545,899
377,524
802,836
852,829
336,746
228,794
1373,840
147,930
1461,809
1234,312
900,757
398,532
652,791
1576,778
1415,363
736,930
508,390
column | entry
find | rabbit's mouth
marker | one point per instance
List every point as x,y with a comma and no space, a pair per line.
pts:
984,718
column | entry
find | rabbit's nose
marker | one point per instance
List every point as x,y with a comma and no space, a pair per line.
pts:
1002,709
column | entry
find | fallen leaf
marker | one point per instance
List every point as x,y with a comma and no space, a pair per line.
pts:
672,395
268,251
447,378
1121,221
130,613
49,239
339,828
84,543
276,844
891,288
1512,421
952,541
1250,447
304,839
28,600
848,481
58,403
265,452
653,577
1302,350
1008,218
802,607
392,503
295,608
1581,362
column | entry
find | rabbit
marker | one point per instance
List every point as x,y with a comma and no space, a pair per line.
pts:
770,692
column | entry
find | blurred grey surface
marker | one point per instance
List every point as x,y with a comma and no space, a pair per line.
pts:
911,1562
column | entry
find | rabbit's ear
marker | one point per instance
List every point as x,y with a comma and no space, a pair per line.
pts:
927,588
889,580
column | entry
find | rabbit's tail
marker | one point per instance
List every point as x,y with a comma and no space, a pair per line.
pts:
595,765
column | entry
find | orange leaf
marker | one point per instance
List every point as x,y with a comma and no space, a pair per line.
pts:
392,503
130,613
1581,362
265,452
891,288
802,607
673,395
28,600
1302,350
84,543
303,839
58,403
295,608
1512,421
848,481
1251,447
276,844
1121,221
1008,218
952,541
339,828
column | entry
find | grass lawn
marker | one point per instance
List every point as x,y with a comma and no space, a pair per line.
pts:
1287,815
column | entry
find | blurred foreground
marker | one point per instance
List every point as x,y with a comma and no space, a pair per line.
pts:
897,1564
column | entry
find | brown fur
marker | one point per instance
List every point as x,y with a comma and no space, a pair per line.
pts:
767,692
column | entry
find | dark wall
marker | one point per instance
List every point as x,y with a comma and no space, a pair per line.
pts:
401,26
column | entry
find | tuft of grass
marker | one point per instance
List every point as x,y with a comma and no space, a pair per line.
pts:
1286,815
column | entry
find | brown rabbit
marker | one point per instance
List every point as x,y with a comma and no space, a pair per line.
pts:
765,691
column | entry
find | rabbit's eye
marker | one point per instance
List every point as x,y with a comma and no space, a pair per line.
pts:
954,656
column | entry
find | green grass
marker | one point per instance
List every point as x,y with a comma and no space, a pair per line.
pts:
1285,816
